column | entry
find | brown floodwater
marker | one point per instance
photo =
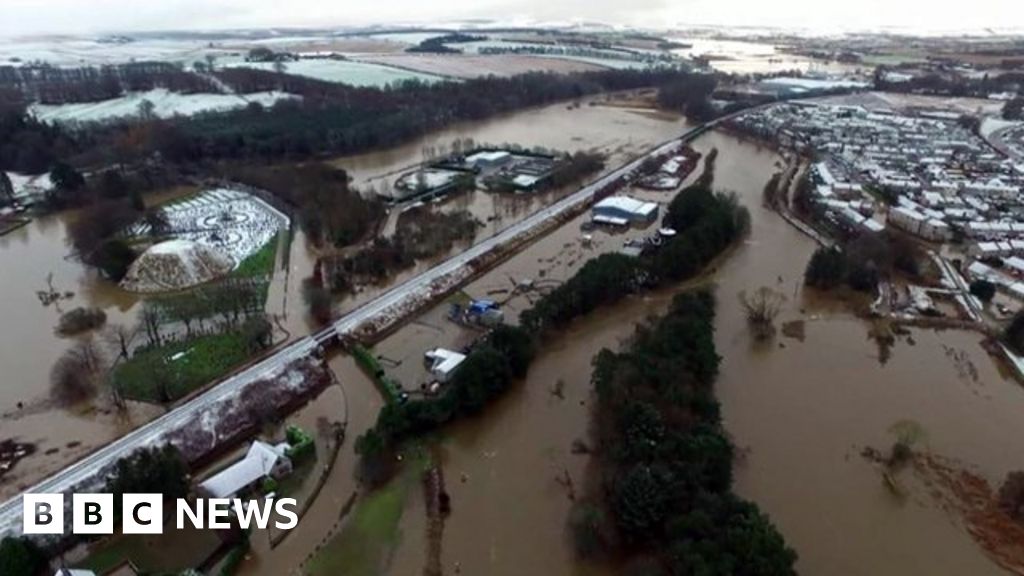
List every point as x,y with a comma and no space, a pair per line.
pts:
597,123
358,408
800,413
29,347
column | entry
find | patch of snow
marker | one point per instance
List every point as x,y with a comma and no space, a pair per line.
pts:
166,104
990,125
362,74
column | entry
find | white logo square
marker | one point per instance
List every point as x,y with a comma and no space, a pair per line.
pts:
92,514
142,514
42,514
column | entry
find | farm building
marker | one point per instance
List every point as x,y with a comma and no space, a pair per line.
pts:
261,461
623,210
443,363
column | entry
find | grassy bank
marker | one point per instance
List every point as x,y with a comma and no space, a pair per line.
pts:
262,262
152,375
371,530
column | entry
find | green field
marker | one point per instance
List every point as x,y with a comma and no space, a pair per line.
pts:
261,263
151,375
371,529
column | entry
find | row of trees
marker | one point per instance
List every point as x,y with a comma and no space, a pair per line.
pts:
59,85
945,80
489,369
339,119
328,209
665,501
330,118
690,96
438,44
863,261
147,471
226,304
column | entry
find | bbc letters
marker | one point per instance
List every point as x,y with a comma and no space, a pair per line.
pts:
144,513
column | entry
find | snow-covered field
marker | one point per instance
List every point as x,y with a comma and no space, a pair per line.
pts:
80,51
474,65
234,222
346,72
166,104
411,38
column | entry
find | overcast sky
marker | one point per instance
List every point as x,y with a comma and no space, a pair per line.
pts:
23,17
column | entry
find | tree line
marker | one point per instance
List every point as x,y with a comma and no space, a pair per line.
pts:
862,262
948,82
665,504
328,119
48,84
332,119
328,209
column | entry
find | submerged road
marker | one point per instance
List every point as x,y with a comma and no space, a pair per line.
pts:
84,473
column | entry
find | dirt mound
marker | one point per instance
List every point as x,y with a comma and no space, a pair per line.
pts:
967,494
175,265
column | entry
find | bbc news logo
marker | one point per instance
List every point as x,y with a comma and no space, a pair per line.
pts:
144,513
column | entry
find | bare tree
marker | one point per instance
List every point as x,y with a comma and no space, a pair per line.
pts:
762,307
147,110
121,337
150,319
73,377
6,189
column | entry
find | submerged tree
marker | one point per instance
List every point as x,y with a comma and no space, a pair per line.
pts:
762,307
908,433
73,378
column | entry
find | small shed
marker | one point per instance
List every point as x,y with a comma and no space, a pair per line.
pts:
443,362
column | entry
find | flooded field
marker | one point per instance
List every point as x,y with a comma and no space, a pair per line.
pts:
28,349
597,123
748,57
621,132
29,254
801,412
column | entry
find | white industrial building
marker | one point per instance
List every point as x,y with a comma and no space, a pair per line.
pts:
624,210
489,159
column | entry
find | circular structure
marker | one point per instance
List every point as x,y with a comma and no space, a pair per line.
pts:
176,265
223,218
